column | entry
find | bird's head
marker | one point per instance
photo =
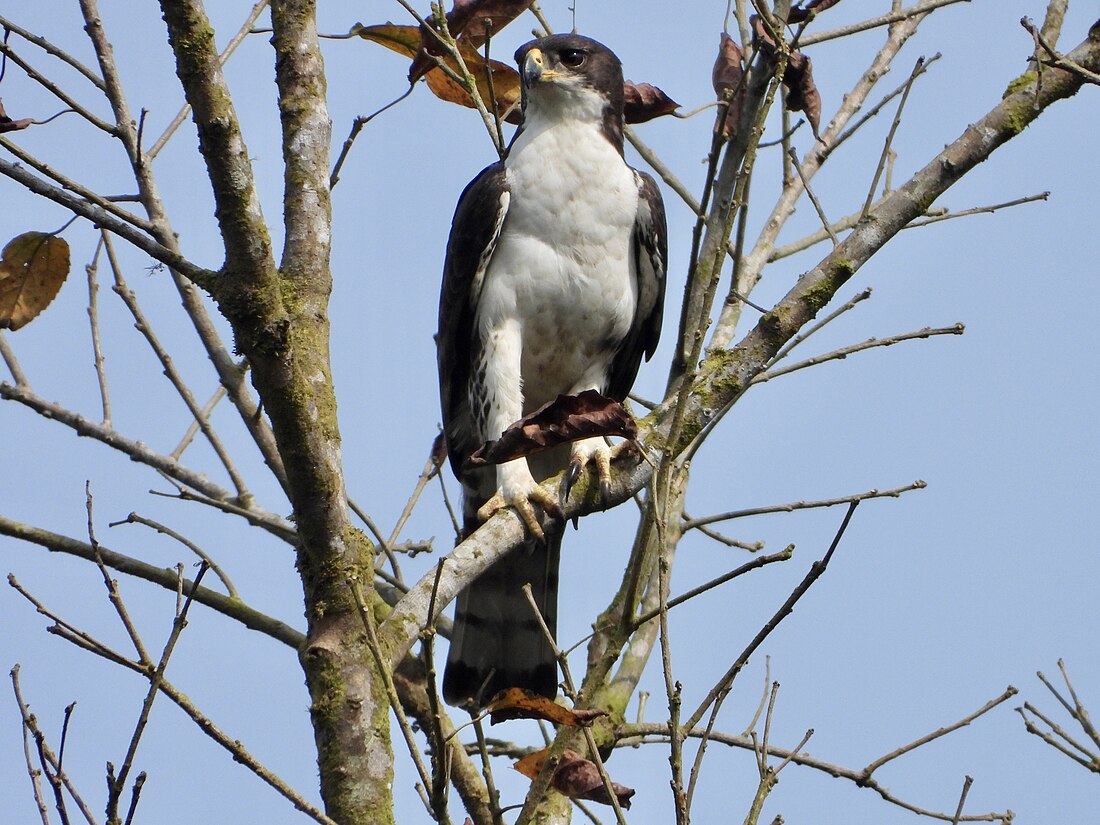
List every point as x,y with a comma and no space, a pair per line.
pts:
573,72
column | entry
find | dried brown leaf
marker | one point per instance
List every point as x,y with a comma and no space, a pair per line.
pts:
798,78
33,266
643,101
579,778
566,418
532,763
469,22
406,40
798,14
728,76
474,19
9,125
439,451
575,777
802,93
520,703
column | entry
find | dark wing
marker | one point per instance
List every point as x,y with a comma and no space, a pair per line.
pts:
474,232
650,255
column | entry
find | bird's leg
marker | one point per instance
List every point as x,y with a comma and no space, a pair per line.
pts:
503,389
517,488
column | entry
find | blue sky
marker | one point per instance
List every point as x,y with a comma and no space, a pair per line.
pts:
934,602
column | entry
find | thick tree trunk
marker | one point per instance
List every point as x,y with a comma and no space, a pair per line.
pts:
280,319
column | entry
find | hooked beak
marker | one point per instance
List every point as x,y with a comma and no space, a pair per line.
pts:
534,68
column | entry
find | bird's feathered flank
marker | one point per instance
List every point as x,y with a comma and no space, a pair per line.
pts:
553,284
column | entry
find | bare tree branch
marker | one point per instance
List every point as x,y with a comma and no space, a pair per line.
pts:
233,608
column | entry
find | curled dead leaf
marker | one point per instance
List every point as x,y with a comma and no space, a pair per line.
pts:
469,22
802,93
474,20
575,777
727,77
566,418
439,451
643,101
531,765
798,78
520,703
406,40
33,266
800,14
9,125
579,778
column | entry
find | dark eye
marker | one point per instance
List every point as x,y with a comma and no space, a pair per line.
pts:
573,58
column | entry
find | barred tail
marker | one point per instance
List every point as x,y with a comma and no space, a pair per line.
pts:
497,641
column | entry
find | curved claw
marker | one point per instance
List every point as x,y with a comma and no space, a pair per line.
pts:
596,451
524,507
571,476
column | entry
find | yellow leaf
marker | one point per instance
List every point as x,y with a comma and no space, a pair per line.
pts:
33,267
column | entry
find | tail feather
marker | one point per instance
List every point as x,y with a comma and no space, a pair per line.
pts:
497,641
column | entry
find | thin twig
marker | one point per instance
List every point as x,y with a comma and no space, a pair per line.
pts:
803,505
936,734
870,343
113,594
917,68
878,107
977,210
30,731
1079,711
134,518
793,155
141,323
795,340
631,735
56,90
51,49
430,469
967,782
930,216
233,746
193,428
1059,60
758,562
440,752
728,541
155,679
673,689
273,524
8,354
109,205
877,22
563,664
1092,762
814,573
233,608
356,127
93,319
230,47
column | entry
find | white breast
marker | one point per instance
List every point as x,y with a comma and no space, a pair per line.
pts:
563,269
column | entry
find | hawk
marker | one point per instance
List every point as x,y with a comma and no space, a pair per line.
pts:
553,284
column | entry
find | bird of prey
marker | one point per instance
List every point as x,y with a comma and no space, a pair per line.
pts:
553,284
